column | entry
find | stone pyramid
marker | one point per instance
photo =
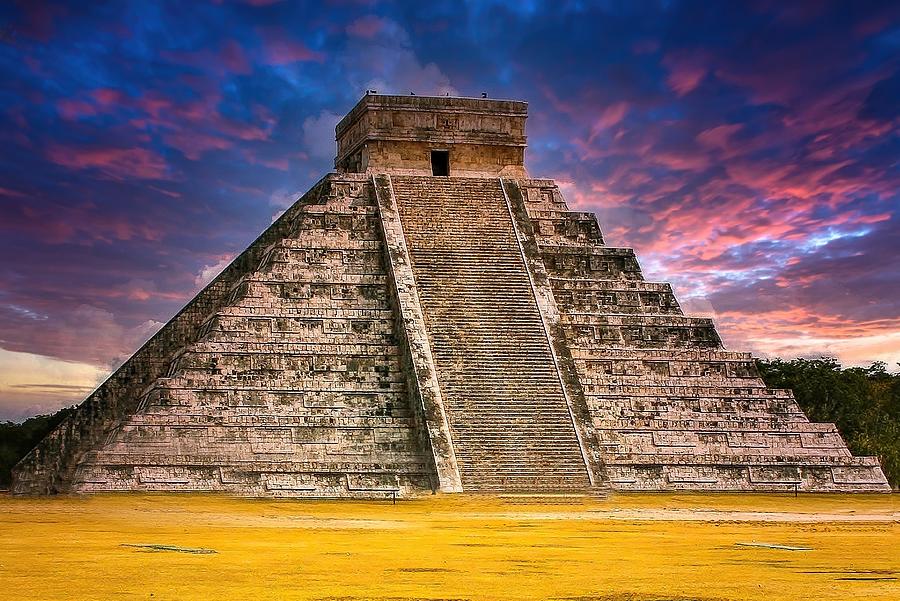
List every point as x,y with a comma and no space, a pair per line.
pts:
429,318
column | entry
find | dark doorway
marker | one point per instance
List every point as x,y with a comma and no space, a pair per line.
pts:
440,162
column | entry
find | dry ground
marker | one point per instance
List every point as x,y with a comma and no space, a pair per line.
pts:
627,547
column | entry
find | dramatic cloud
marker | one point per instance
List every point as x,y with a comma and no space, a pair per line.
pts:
685,73
748,151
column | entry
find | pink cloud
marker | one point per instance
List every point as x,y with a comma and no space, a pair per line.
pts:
366,27
75,109
107,96
197,126
168,193
558,104
40,226
609,117
279,49
154,104
234,58
100,100
116,163
679,160
239,130
281,164
12,193
111,227
229,59
193,144
54,223
685,73
718,137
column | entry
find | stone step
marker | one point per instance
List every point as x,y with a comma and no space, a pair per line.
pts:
507,410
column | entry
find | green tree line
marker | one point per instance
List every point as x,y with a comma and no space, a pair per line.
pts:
864,403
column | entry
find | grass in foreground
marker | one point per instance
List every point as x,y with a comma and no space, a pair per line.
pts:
628,547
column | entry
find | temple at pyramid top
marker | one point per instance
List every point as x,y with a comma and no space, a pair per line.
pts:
433,135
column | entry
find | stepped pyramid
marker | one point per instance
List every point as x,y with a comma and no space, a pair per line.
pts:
430,318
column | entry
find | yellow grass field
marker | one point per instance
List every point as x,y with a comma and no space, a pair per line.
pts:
626,547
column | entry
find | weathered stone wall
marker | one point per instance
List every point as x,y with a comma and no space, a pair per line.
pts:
396,134
467,160
50,467
291,385
671,409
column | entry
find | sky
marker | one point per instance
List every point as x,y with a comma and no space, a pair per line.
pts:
748,151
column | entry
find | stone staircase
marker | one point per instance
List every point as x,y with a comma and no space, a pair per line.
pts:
511,425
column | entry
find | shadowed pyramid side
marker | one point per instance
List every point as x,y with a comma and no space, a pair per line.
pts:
283,377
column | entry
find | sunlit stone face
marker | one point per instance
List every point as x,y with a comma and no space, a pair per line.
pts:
400,134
